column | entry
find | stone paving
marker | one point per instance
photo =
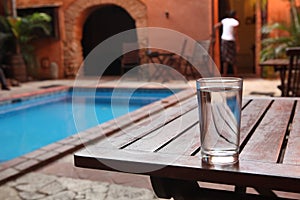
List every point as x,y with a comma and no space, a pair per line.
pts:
61,180
48,187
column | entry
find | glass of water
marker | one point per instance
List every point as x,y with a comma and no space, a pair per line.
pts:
219,103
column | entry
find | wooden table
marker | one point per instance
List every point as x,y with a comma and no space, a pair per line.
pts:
166,147
279,65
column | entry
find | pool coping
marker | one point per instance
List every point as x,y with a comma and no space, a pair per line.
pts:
45,155
25,95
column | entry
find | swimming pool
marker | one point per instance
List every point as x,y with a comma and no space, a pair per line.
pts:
31,123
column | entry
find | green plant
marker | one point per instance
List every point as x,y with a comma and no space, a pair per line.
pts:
20,32
23,29
288,36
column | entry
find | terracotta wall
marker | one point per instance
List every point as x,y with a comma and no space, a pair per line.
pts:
192,17
279,10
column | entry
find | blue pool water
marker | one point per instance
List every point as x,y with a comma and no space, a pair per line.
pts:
30,124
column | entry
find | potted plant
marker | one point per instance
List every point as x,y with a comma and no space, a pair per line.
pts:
21,31
288,35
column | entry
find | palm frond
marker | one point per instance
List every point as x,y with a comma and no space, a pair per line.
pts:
266,29
276,41
274,47
4,24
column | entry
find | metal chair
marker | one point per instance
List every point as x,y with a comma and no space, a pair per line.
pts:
130,57
198,58
168,59
177,61
292,87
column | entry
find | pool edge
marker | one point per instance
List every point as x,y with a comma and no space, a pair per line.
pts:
45,155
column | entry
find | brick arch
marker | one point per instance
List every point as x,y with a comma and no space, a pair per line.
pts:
75,17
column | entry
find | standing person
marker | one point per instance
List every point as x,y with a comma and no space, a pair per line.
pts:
3,83
3,80
229,42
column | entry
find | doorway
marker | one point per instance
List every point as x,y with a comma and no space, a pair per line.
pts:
101,24
246,32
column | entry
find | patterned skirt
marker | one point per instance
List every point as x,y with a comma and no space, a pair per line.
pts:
228,51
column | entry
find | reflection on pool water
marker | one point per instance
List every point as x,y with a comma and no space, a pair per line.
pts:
27,125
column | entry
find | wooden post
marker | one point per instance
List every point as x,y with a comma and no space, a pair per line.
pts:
216,45
13,8
258,38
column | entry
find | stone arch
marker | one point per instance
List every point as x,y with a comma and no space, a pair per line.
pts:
74,24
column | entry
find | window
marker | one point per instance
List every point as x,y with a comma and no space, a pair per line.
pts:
52,11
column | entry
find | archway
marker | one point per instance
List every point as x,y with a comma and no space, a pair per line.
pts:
101,24
76,15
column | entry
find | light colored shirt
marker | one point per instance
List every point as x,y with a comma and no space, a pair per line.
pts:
228,28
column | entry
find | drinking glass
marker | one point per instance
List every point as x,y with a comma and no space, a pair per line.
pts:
219,105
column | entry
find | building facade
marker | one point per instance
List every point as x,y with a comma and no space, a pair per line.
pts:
79,25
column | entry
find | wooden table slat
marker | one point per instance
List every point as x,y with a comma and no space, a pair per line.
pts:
159,137
275,62
245,102
185,144
250,116
147,125
292,153
265,143
191,168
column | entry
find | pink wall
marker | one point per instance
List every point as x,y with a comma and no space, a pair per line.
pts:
278,11
192,17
